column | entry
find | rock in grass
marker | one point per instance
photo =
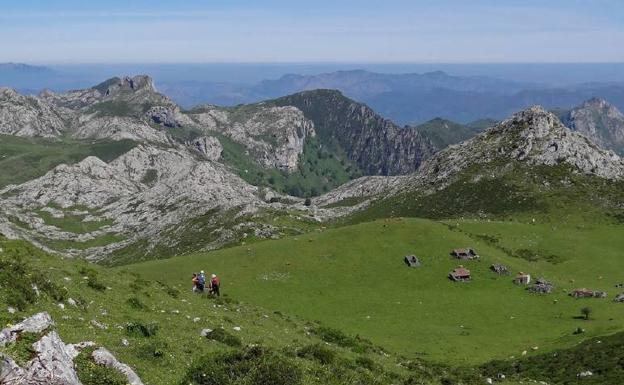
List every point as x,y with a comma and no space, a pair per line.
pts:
102,356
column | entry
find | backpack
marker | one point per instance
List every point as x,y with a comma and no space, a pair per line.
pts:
201,279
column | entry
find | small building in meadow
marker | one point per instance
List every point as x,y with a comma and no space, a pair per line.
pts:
541,286
465,254
588,293
460,274
499,269
522,279
411,261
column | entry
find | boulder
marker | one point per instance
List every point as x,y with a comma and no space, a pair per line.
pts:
53,360
101,356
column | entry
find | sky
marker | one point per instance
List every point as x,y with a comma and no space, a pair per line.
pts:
389,31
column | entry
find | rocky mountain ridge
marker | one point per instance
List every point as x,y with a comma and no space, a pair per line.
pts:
139,196
176,181
531,138
375,144
600,121
186,185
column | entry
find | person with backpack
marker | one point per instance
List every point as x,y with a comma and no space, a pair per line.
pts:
201,281
195,281
215,284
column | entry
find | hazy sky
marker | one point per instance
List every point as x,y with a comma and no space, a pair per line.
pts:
72,31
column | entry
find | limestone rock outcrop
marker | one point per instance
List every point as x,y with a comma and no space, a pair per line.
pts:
53,361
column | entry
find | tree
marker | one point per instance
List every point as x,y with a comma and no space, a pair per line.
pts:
586,312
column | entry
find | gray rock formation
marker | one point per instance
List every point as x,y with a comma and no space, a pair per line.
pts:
273,136
28,116
144,192
53,361
599,121
35,324
101,356
208,146
534,136
120,108
163,115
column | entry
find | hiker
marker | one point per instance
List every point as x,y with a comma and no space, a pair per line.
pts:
195,281
201,281
214,285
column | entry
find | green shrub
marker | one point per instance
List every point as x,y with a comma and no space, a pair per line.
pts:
91,373
136,303
171,291
220,335
367,363
21,350
604,359
318,352
150,176
152,351
142,330
92,279
19,293
335,336
254,366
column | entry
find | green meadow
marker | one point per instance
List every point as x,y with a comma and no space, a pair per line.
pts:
353,278
155,328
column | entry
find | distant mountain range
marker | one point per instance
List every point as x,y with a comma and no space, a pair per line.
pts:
409,98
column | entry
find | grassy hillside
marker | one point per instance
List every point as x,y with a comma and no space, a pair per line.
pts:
600,359
353,278
162,322
22,159
509,191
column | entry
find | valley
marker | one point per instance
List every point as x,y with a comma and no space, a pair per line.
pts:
354,278
306,206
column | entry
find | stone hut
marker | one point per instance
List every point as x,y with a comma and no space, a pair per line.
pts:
411,261
465,254
460,274
522,279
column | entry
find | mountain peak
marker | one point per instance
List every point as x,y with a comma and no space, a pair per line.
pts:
595,103
126,83
600,121
533,136
534,120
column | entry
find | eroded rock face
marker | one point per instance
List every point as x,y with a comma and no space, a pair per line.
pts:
274,136
35,324
375,144
53,361
163,115
28,116
208,146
